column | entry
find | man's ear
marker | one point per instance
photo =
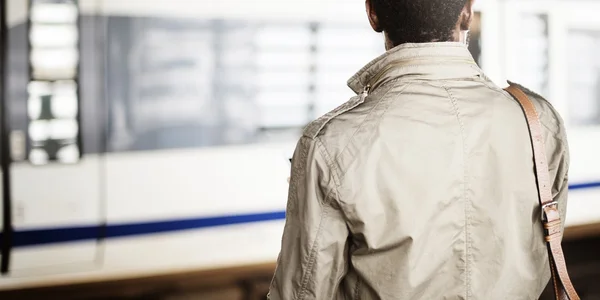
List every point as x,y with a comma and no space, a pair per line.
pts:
373,19
466,15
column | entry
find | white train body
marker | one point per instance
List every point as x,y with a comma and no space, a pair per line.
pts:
140,203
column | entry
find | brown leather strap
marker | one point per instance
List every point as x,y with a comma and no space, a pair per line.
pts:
563,288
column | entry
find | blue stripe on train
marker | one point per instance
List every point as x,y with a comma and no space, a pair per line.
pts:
582,186
27,238
34,237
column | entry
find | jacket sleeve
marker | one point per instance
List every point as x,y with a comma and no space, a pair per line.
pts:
560,188
312,260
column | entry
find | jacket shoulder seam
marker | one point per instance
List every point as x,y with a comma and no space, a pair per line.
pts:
330,163
553,127
536,98
360,126
314,128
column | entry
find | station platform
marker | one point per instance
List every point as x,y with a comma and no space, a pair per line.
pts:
252,282
237,283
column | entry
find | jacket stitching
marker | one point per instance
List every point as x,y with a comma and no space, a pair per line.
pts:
329,161
335,190
340,277
311,258
368,67
411,66
386,109
345,270
365,120
331,165
313,129
357,289
351,140
306,275
557,129
565,149
458,114
552,121
368,70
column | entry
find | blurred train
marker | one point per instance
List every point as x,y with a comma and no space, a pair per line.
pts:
153,136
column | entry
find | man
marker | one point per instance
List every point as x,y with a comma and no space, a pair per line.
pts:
422,186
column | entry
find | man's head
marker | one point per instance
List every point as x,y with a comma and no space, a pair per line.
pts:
420,21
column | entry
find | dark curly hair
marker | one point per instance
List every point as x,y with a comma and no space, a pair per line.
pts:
418,21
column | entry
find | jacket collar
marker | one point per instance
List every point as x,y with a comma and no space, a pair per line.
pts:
432,61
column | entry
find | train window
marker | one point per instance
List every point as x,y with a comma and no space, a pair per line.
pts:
584,77
283,85
530,66
52,104
235,81
310,75
225,81
162,94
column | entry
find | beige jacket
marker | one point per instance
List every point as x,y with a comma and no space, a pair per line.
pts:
420,187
